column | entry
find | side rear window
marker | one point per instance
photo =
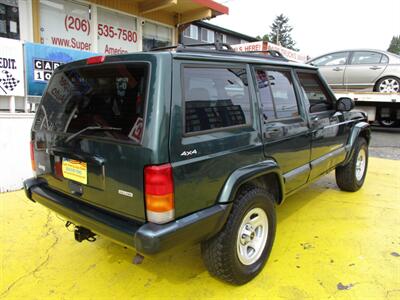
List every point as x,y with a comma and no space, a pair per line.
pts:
215,98
277,94
314,91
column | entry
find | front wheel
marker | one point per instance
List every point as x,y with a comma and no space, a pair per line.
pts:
351,176
240,250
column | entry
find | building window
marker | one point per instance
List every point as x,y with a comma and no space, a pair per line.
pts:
224,38
243,41
207,35
9,19
66,24
192,31
155,36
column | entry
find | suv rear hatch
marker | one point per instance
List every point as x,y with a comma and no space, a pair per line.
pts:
87,134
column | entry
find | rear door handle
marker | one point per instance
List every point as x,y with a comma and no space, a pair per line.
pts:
375,68
337,69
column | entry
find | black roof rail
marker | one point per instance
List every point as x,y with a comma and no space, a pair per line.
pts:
221,48
218,46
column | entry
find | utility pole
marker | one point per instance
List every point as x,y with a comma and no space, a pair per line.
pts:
277,38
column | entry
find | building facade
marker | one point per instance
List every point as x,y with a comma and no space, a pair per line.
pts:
84,28
203,32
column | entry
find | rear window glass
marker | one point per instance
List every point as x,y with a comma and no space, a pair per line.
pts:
96,96
215,98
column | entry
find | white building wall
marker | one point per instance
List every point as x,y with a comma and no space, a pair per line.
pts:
15,162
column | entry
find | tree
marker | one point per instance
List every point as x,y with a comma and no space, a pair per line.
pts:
281,32
264,38
394,46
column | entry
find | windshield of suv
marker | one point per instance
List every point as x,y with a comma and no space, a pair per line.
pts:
108,96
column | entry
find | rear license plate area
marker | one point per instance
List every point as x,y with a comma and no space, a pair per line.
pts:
74,170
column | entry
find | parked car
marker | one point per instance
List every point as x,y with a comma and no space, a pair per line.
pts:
359,69
166,148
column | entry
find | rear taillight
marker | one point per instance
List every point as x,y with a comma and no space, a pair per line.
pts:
32,150
58,167
159,193
95,60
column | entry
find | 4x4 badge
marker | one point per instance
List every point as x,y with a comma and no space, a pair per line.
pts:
189,153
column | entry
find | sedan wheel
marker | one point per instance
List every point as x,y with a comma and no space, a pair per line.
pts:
389,85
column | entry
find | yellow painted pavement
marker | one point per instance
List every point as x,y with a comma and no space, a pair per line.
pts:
330,245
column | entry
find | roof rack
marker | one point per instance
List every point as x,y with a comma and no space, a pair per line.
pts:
217,46
221,48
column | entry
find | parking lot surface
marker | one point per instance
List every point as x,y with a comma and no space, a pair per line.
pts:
330,245
385,142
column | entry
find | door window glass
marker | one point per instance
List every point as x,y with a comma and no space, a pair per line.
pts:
315,92
215,98
277,94
332,59
264,90
384,60
366,58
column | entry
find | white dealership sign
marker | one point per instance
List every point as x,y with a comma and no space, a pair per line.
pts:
116,33
66,24
11,68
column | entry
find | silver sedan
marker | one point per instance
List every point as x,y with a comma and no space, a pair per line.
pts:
361,69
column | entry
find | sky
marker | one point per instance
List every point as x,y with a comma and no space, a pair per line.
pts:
319,26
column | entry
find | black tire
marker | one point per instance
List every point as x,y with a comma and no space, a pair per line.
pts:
220,253
388,123
396,85
346,178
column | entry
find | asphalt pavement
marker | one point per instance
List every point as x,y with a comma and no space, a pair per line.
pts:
385,142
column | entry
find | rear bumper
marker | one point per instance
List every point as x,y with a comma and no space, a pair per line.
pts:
147,238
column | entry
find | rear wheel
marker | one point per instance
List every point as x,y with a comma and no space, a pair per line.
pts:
240,250
388,85
351,176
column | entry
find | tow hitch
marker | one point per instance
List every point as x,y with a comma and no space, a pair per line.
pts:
82,233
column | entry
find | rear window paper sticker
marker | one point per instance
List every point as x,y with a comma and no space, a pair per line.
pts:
61,89
137,130
122,85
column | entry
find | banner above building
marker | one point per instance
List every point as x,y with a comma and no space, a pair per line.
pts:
264,46
11,68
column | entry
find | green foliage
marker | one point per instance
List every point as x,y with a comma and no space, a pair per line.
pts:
394,46
281,32
264,38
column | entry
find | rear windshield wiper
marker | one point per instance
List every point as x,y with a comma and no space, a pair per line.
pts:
90,128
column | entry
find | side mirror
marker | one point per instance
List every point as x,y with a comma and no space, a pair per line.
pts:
344,104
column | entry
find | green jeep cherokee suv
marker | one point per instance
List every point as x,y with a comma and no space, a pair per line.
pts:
187,145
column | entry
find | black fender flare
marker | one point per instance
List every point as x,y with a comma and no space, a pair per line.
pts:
361,128
247,173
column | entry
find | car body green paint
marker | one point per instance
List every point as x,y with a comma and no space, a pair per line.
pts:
208,167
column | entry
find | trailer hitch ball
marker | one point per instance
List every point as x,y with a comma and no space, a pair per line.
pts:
82,233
